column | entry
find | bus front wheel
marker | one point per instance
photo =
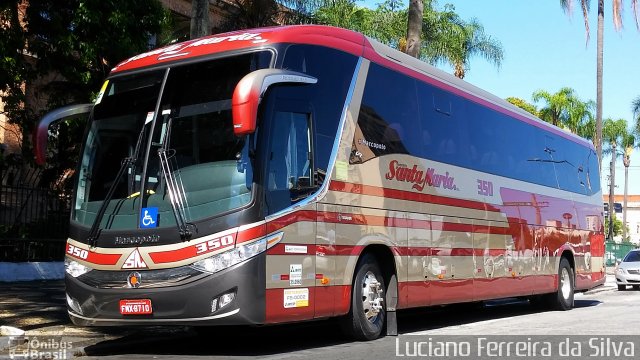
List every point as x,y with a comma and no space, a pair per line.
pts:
365,320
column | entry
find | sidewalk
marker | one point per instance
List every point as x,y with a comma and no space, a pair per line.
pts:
39,309
30,271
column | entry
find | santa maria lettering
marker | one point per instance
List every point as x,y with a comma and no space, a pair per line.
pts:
419,177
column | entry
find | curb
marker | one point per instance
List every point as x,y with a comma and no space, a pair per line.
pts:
30,271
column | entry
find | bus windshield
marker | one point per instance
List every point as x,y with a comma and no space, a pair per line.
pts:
180,148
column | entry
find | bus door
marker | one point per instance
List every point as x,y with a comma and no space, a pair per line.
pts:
289,179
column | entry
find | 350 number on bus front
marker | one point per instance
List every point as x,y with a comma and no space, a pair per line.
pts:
214,244
77,252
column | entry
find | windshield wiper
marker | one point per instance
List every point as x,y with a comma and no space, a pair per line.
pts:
127,163
174,187
94,233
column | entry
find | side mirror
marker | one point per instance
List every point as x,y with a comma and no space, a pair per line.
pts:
249,91
41,135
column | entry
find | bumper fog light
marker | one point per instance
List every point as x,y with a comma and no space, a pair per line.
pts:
226,299
222,301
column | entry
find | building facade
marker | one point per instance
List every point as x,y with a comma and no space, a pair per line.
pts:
633,215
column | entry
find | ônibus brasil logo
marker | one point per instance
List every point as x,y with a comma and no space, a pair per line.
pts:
420,178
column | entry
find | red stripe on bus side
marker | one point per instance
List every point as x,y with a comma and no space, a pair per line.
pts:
408,195
251,234
439,292
286,220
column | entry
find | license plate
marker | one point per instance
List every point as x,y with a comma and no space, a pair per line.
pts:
136,307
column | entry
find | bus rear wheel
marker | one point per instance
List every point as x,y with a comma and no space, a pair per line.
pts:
562,299
366,319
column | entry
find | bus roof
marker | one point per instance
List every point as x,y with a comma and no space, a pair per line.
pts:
341,39
338,38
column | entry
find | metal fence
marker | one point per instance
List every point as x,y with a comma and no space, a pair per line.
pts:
616,251
34,216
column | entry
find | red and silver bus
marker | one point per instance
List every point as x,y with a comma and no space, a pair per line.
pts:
296,173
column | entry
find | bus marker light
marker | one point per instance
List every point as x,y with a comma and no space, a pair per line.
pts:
324,281
440,276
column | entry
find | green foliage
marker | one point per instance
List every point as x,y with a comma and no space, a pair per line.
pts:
56,52
565,109
617,226
524,105
613,131
635,108
446,38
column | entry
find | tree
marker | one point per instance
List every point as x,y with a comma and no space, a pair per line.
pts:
617,226
524,105
579,113
557,106
612,134
414,28
260,13
445,37
57,52
343,13
199,19
635,108
567,5
628,143
473,41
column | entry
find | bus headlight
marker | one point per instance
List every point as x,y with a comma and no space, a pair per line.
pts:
229,258
74,268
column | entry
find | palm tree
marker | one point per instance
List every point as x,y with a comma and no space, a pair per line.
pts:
556,110
471,41
587,130
579,113
635,107
628,143
613,132
567,5
414,27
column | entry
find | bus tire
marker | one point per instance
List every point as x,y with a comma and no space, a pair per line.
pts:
563,298
366,318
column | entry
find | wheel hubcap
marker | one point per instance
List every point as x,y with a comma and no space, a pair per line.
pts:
371,297
565,284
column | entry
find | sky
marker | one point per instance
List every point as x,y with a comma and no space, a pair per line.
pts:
546,49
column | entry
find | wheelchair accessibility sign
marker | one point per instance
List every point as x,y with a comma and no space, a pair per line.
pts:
149,218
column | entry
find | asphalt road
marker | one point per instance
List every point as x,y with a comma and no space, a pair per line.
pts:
600,314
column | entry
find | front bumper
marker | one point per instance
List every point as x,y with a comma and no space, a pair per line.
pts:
627,279
187,304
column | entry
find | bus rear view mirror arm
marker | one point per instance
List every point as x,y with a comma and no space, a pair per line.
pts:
249,92
41,135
